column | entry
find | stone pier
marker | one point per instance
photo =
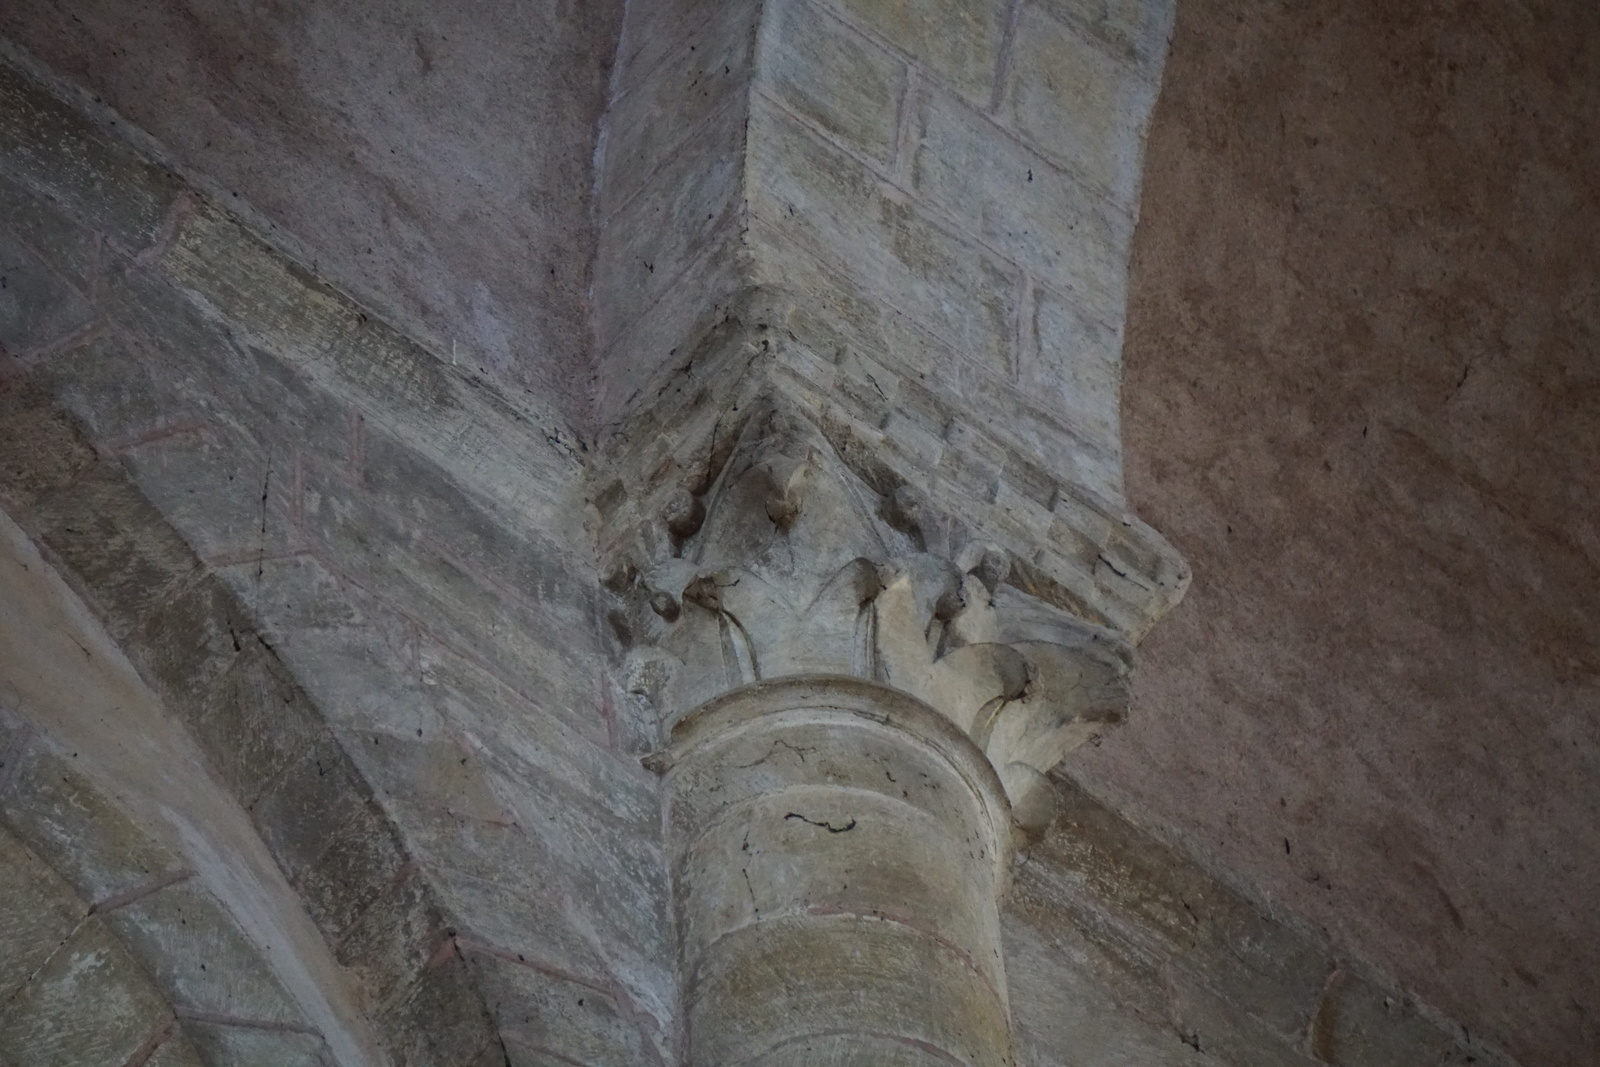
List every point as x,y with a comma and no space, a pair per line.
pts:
860,289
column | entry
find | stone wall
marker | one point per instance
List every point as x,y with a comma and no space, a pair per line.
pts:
1362,397
393,147
358,574
364,581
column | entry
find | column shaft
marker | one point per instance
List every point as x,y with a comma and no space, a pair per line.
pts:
838,850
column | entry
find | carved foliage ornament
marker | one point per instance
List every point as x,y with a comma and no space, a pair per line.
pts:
789,564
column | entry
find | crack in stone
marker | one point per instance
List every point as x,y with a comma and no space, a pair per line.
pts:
824,824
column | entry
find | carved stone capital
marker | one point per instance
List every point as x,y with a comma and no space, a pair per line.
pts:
786,562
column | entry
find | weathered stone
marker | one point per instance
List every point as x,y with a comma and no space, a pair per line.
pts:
551,1013
954,353
390,944
186,642
1060,999
382,551
68,247
176,1051
691,204
316,796
254,722
40,450
249,1046
108,387
45,1022
198,956
832,207
49,146
1044,218
832,76
79,831
1146,907
38,308
958,41
114,543
440,1020
361,859
1076,363
550,742
665,109
40,914
1078,105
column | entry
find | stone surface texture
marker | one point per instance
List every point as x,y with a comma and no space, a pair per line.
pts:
1361,397
435,160
454,693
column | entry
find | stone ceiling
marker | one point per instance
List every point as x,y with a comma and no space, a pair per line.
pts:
1363,397
1360,396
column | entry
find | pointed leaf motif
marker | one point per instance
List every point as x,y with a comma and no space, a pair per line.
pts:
788,563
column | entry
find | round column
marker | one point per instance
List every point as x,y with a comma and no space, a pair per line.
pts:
838,850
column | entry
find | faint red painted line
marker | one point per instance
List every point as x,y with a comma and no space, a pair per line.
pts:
153,1043
140,891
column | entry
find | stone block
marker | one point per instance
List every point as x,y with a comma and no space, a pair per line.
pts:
288,594
676,345
959,41
88,1006
530,641
439,1021
1076,368
1045,219
664,111
832,314
363,856
832,76
1152,909
652,34
615,877
1362,1024
198,957
477,530
826,204
42,451
109,388
207,368
537,1009
41,913
687,207
79,831
316,797
518,910
1225,1030
393,939
176,1051
433,774
970,476
1060,1001
227,501
114,547
255,723
69,248
38,307
360,678
186,643
488,439
524,738
1078,105
245,1046
52,148
1135,31
1034,425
